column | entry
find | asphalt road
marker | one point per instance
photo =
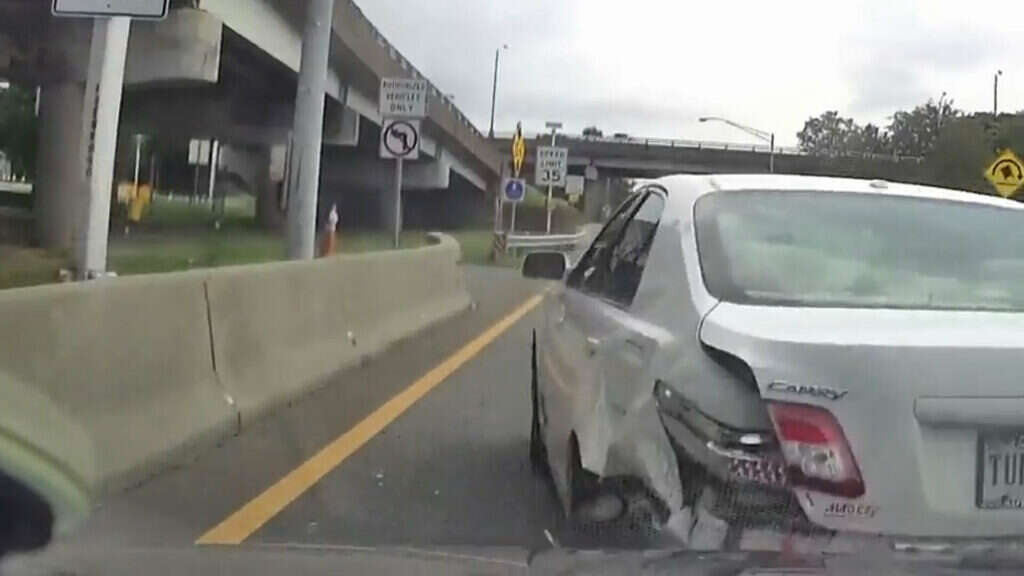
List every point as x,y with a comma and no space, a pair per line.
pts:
451,472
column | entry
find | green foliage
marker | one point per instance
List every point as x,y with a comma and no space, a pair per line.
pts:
18,129
915,132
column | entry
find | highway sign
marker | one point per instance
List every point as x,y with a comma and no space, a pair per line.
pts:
400,139
518,150
513,190
403,98
152,9
1006,173
552,166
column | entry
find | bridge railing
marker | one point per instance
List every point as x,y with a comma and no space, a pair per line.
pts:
701,145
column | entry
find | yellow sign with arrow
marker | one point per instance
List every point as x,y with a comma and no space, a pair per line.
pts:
1006,173
518,150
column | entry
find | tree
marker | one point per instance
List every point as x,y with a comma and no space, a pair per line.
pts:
829,135
915,133
593,131
18,129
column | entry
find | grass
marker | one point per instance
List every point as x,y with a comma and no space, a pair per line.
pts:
28,266
175,235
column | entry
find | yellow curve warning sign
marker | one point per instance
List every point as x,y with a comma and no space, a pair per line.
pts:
1006,173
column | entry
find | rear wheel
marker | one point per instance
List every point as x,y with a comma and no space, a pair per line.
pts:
590,506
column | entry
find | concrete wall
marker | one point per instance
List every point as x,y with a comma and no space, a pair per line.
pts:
154,368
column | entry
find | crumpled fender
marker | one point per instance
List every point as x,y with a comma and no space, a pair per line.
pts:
624,437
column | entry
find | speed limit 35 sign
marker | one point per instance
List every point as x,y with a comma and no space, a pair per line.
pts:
552,166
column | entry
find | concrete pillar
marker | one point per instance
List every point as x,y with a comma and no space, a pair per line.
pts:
269,215
60,179
60,173
595,196
309,126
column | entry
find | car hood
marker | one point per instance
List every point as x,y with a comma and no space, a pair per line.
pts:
911,390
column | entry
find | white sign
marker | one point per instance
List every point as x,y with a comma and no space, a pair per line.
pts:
155,9
552,166
403,98
400,139
198,152
513,190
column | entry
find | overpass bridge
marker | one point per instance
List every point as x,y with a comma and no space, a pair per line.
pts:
227,70
599,158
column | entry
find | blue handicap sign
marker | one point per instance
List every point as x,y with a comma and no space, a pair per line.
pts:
515,190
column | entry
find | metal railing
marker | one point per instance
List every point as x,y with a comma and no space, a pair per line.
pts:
698,145
518,243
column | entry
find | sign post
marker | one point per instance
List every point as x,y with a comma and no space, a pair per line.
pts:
403,101
100,117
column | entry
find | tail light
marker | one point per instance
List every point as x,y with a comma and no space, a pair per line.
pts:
815,450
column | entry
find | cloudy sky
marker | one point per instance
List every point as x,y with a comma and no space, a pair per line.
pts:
652,67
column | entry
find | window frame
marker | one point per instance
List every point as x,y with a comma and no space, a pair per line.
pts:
633,204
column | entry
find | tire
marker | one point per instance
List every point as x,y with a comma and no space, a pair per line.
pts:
584,492
538,452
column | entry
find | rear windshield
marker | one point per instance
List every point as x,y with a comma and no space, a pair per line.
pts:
860,250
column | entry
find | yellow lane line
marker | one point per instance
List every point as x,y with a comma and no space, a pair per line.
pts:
249,518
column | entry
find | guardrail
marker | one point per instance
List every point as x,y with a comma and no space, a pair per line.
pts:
567,139
505,242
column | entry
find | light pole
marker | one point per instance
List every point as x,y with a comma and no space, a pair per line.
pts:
554,127
494,87
768,137
995,93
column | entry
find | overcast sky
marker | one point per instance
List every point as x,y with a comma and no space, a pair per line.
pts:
652,67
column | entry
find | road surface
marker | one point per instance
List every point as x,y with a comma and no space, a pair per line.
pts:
450,472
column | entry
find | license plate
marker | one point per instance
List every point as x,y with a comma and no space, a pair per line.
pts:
1001,470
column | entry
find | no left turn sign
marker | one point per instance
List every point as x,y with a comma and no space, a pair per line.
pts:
400,139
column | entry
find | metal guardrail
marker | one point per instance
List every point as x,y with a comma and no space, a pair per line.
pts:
515,243
700,145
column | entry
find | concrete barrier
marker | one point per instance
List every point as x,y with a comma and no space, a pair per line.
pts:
154,368
129,359
281,329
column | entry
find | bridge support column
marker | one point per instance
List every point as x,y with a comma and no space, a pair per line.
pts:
60,172
596,194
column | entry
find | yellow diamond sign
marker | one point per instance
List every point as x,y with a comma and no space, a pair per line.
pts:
1006,174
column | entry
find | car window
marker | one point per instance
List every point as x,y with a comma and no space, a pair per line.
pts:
859,250
629,256
590,274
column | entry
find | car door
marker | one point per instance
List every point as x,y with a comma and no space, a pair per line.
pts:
617,346
564,366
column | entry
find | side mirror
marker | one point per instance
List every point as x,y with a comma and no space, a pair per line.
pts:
545,265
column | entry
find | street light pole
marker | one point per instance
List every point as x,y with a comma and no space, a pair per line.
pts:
995,93
494,87
768,137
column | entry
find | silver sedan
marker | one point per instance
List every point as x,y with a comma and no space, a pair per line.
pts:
820,352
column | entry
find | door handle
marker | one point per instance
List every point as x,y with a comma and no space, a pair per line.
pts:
592,345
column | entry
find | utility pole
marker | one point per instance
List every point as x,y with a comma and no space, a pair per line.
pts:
995,93
304,183
494,88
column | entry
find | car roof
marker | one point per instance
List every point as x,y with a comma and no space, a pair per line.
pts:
684,189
